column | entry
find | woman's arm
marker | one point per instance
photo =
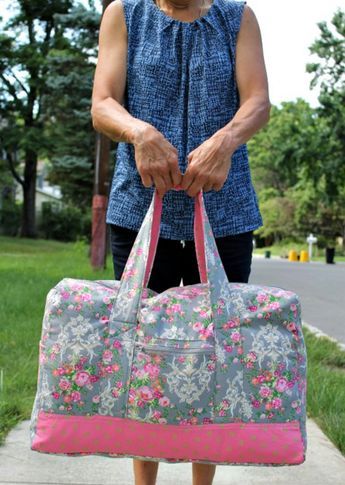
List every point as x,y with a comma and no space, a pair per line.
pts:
108,114
156,158
252,84
210,162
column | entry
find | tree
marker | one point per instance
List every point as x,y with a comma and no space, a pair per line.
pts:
67,106
292,139
298,158
292,168
329,72
277,212
38,40
286,153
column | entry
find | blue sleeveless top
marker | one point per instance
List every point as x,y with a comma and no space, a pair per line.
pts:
181,79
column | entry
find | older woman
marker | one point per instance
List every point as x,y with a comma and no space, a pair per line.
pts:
182,86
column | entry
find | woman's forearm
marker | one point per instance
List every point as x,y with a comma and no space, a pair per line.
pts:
250,118
113,120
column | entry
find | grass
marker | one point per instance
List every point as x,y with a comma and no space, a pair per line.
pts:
28,269
326,386
283,249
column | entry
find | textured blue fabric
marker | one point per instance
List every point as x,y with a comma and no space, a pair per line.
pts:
181,79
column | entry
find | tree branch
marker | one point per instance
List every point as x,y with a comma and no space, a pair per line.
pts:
11,89
20,83
13,170
48,31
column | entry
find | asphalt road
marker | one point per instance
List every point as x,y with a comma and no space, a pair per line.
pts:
320,286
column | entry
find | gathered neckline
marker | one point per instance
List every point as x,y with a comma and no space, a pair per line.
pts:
167,17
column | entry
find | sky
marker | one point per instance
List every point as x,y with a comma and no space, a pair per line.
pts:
287,28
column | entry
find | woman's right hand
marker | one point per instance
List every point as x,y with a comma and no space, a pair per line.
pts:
156,159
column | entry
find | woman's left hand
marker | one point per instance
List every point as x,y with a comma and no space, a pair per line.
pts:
208,165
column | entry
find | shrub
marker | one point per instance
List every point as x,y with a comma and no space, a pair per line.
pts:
64,224
10,216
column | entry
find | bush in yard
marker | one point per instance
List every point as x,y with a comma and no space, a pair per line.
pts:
10,215
68,223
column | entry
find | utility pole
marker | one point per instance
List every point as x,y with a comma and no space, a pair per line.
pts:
100,196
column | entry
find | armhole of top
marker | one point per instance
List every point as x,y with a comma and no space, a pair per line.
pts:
234,18
126,5
238,14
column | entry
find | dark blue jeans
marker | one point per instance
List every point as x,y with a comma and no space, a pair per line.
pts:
176,260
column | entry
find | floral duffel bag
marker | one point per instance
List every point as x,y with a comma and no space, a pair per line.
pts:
212,373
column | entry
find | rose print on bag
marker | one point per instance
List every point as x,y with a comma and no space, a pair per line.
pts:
170,315
272,392
68,386
274,362
168,384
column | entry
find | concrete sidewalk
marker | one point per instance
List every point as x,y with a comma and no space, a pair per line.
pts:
19,465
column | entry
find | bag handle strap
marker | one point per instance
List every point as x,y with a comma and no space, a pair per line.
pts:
140,261
198,237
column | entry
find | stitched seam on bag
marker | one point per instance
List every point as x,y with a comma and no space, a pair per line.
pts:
286,425
128,379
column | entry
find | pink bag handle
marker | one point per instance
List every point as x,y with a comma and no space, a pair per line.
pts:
198,237
139,264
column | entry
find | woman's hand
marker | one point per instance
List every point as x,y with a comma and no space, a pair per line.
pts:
208,165
156,159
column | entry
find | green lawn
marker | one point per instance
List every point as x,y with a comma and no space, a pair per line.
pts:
28,269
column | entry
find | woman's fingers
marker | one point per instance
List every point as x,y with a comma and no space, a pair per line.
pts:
144,172
173,167
197,185
208,187
166,171
159,183
188,178
168,181
146,179
157,161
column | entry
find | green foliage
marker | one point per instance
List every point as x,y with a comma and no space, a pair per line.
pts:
330,49
278,215
47,61
286,145
64,224
282,155
71,70
297,160
330,73
326,386
10,218
9,210
74,174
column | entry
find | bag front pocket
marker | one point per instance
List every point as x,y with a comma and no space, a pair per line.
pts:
171,383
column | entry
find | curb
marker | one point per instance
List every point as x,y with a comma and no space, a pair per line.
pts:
319,333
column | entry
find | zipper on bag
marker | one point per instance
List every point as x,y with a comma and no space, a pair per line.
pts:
175,350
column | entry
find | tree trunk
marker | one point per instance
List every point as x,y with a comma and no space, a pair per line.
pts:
28,227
